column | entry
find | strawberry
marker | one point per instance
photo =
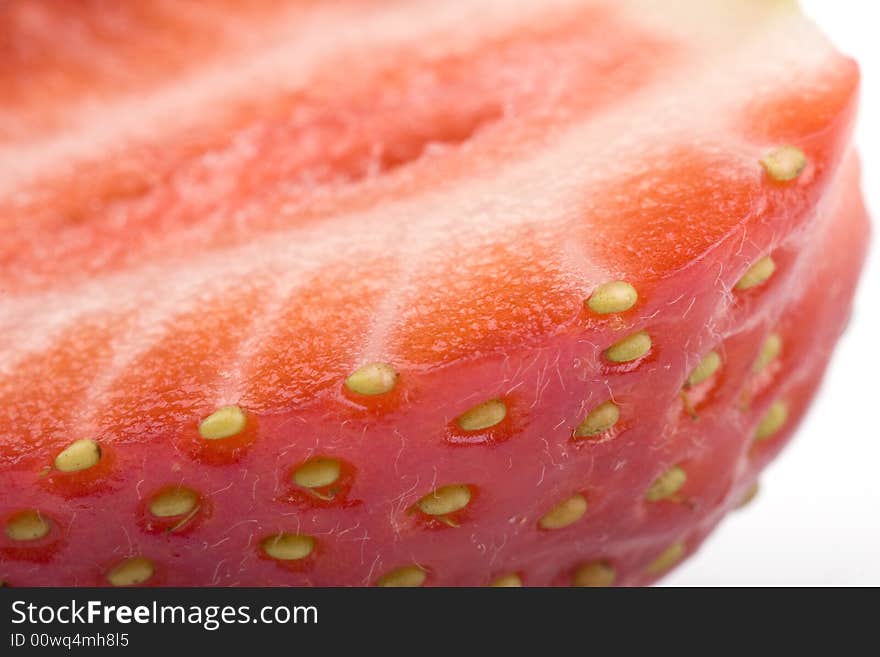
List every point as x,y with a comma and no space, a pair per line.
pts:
499,293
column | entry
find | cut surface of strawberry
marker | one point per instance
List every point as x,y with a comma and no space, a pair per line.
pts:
517,293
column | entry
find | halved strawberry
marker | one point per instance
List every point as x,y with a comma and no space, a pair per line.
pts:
408,293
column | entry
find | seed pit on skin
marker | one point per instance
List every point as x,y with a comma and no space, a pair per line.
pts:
445,500
565,513
772,421
769,352
749,495
405,576
482,416
174,502
29,525
706,368
508,581
78,455
757,274
317,472
785,163
130,572
630,348
599,420
667,484
288,547
666,559
593,575
225,422
613,297
372,379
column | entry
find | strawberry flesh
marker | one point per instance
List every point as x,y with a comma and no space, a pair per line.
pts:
256,215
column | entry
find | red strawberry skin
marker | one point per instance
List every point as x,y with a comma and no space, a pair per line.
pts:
448,211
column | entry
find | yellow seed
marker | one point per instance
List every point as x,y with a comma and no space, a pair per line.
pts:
405,576
446,499
772,421
666,559
565,513
599,420
482,416
78,455
769,352
27,525
225,422
667,484
749,495
508,581
317,472
706,368
594,574
136,570
613,297
174,502
789,6
372,379
785,163
630,348
288,547
757,273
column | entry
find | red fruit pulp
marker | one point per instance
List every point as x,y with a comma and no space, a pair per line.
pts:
247,220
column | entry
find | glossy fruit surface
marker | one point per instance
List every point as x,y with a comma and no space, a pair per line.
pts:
519,292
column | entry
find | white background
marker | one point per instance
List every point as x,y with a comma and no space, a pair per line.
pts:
816,520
